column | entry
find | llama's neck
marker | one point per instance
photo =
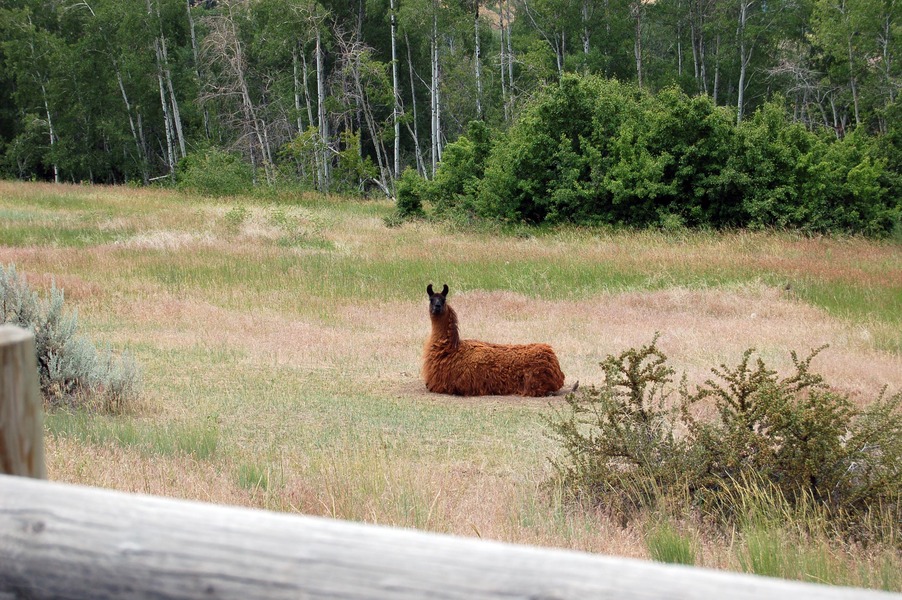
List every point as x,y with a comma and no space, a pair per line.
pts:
444,328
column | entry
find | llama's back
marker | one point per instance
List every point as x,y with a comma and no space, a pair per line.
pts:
476,368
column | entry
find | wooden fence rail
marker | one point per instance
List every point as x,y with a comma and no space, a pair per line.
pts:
65,541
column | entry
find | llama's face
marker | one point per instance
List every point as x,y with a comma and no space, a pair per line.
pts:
437,301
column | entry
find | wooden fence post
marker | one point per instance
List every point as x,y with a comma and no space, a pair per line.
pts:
21,408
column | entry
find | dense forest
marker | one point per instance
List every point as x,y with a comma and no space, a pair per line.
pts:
344,96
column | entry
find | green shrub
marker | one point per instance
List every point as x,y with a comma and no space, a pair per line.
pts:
410,194
793,435
212,172
352,171
619,443
71,370
798,435
236,217
596,151
463,163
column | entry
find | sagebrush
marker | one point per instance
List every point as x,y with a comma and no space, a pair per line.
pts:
72,371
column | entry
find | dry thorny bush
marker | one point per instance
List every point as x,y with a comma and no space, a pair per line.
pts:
627,446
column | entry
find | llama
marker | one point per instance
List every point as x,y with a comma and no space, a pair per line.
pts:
473,368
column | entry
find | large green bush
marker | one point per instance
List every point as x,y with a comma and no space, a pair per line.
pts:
626,448
463,164
72,371
212,172
597,151
788,176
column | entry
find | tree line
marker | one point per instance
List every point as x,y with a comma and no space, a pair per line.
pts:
342,96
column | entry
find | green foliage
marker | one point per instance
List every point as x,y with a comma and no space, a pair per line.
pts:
253,477
788,176
598,151
792,435
462,166
619,443
213,172
303,150
235,217
353,170
71,370
410,191
199,441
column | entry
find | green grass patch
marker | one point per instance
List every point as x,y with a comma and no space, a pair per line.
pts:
667,544
877,309
43,234
253,477
200,441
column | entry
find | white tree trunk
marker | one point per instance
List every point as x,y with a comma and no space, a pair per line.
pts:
745,56
396,94
163,59
307,98
478,61
421,166
560,46
433,91
887,62
853,82
381,158
56,168
502,58
176,114
197,65
167,118
637,8
679,39
325,173
170,151
510,61
716,67
131,121
297,89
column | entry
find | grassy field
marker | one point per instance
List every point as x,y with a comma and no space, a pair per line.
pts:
280,345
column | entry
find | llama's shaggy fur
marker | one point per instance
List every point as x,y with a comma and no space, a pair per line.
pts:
473,368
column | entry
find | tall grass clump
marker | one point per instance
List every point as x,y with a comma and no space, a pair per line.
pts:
626,449
667,544
71,370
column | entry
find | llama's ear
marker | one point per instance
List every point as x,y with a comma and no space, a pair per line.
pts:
445,290
429,290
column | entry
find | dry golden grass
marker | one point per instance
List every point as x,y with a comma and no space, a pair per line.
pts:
297,331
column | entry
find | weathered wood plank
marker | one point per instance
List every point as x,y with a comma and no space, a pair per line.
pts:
21,409
62,541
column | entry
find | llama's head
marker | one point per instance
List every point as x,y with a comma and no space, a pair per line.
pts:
437,301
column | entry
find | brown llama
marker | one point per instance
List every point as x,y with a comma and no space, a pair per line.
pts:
473,368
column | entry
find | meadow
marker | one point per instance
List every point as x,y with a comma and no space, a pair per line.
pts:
280,338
